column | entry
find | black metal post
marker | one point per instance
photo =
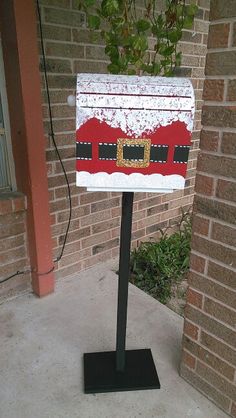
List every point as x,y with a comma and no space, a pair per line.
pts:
124,272
112,371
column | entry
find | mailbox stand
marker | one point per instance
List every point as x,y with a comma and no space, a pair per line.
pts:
121,370
132,135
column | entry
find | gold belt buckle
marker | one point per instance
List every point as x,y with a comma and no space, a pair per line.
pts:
145,143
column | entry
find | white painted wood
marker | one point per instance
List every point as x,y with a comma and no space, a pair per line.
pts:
123,189
120,181
134,102
134,122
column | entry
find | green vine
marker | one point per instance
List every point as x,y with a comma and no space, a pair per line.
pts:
126,33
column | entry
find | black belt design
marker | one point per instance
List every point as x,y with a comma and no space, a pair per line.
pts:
108,151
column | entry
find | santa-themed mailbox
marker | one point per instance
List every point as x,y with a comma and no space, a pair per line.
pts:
133,133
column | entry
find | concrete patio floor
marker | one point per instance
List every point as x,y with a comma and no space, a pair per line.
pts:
42,342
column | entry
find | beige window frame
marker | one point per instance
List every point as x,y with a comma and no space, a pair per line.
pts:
7,170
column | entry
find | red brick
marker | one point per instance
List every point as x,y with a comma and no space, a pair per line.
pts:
62,125
213,90
197,263
222,401
226,190
62,204
75,235
214,250
204,184
194,298
217,165
189,360
148,203
96,239
208,287
224,233
92,197
200,225
221,312
209,358
233,410
103,226
191,330
157,209
228,145
65,153
216,380
219,348
19,204
147,221
52,32
12,267
75,268
209,324
11,242
234,35
231,90
5,206
12,229
104,246
12,255
221,274
105,204
214,62
77,256
98,258
78,212
221,9
215,209
218,35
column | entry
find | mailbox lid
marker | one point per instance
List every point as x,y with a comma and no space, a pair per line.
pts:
134,92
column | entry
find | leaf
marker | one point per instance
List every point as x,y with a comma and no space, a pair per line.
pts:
166,51
191,9
140,43
174,36
113,68
112,52
156,68
88,3
178,58
179,10
188,22
94,22
109,7
143,25
131,71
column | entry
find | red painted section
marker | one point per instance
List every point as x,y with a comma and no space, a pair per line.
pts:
95,131
19,38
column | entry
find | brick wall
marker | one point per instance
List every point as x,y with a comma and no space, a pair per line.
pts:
94,231
209,341
13,244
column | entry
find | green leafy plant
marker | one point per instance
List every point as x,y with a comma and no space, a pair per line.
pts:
127,30
156,266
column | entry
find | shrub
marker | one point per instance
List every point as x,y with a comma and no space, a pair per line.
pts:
156,266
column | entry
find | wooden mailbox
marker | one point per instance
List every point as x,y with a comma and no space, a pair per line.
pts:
133,133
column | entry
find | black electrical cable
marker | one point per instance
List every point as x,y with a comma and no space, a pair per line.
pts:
52,135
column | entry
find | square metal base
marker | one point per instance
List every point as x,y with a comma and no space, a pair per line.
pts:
100,373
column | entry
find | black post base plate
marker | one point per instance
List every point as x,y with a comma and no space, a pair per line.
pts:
100,373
